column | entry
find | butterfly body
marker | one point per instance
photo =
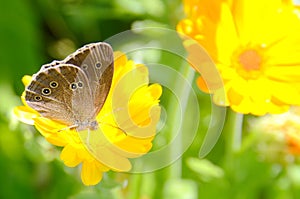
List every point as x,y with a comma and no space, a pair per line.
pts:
73,91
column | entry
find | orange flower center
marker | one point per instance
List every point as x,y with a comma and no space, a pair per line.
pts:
250,60
248,63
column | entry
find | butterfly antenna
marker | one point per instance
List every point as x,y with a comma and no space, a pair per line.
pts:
88,137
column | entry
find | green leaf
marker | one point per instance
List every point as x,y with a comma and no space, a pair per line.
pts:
180,189
206,170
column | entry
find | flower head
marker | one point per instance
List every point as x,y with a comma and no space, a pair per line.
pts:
127,124
285,127
254,45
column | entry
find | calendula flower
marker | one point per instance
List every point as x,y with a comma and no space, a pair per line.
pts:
120,136
255,46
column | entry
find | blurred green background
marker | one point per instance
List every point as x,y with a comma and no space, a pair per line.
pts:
34,32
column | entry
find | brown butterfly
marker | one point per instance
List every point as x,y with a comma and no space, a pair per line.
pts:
73,91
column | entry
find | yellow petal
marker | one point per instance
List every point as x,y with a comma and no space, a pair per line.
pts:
48,126
226,36
285,93
69,156
134,147
284,73
49,129
142,101
259,90
253,15
25,114
276,108
26,80
104,150
120,59
91,174
55,140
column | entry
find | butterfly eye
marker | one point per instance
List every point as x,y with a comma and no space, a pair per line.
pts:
84,66
37,98
98,65
46,91
80,84
73,86
53,84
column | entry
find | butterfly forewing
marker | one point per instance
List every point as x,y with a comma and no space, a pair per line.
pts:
97,62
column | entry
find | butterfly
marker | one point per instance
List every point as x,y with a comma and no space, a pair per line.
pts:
74,90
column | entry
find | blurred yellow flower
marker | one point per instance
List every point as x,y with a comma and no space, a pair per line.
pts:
286,127
118,138
255,46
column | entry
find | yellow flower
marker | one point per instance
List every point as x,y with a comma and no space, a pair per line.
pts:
119,136
255,46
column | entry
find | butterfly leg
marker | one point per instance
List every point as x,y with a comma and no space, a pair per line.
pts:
88,137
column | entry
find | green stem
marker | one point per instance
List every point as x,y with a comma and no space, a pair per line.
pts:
234,129
134,189
184,89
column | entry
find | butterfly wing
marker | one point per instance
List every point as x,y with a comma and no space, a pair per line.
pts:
97,62
52,64
61,93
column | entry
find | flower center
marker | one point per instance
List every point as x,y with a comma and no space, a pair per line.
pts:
250,60
248,63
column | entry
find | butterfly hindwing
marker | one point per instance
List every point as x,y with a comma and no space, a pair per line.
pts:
56,93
